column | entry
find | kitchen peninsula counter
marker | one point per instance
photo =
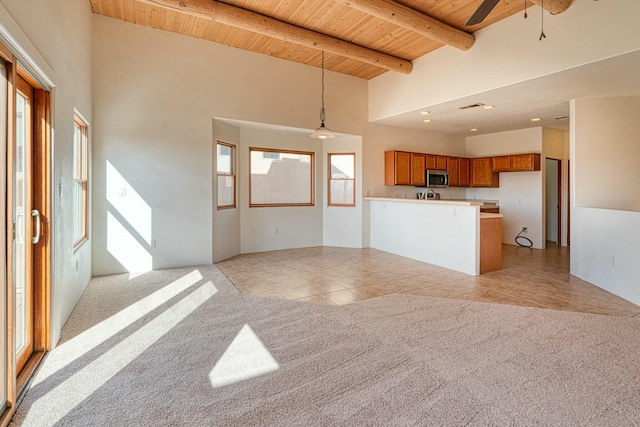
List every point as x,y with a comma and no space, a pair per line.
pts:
452,234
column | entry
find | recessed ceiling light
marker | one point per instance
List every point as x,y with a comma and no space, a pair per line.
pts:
487,107
427,120
535,119
424,113
473,129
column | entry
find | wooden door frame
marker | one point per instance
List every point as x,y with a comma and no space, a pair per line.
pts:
41,255
558,201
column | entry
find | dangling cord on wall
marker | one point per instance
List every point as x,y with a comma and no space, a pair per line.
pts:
542,35
525,9
524,245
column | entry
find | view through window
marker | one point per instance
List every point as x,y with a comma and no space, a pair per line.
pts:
342,179
226,171
80,179
281,178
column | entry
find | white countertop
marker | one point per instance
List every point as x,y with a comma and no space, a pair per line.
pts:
484,215
434,201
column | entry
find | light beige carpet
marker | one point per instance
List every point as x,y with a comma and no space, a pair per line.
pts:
183,348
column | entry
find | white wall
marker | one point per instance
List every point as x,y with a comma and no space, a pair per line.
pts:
54,39
588,31
605,201
342,226
605,248
520,193
607,153
153,123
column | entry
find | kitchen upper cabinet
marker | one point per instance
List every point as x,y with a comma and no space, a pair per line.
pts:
516,163
437,162
501,164
525,162
464,176
482,174
418,166
397,168
453,167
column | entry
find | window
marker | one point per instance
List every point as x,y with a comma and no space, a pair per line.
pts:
281,178
80,180
226,170
342,179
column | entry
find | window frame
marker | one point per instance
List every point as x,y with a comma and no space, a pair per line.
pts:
330,179
233,167
81,176
312,186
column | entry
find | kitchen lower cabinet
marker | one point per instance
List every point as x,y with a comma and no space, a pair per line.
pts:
490,244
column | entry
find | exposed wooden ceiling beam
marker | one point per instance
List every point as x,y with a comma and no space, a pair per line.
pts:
554,6
261,24
420,23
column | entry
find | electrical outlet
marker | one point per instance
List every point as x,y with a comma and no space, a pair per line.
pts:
524,229
614,261
275,230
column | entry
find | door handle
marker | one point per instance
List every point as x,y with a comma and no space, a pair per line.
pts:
36,237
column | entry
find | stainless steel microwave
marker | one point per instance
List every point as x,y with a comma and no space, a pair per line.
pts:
436,179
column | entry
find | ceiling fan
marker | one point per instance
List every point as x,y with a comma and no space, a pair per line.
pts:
481,12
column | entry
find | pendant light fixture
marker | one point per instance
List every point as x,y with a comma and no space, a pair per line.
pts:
322,132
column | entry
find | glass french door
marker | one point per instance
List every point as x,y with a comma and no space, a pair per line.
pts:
25,247
3,270
24,216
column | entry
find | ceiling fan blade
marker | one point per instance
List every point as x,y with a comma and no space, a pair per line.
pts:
481,12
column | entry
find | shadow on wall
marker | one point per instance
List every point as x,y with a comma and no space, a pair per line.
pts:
129,221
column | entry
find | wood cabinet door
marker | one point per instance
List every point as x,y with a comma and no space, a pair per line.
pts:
453,167
441,163
431,161
501,164
481,173
464,177
525,162
418,166
403,168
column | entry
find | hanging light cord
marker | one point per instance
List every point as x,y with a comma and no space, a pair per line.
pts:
542,35
322,116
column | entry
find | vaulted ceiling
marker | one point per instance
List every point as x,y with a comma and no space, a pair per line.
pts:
362,38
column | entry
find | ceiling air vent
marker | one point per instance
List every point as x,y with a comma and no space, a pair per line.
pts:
561,118
476,105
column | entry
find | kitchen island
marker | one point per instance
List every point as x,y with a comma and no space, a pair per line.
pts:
452,234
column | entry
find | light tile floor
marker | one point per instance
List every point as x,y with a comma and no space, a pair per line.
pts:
328,275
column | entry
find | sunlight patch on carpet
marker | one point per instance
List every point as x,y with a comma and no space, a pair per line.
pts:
81,344
95,374
245,358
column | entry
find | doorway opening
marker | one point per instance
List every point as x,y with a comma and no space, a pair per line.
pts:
553,214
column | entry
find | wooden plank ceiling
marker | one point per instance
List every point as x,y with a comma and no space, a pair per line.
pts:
330,17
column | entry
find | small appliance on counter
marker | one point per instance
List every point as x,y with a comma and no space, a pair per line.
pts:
432,195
